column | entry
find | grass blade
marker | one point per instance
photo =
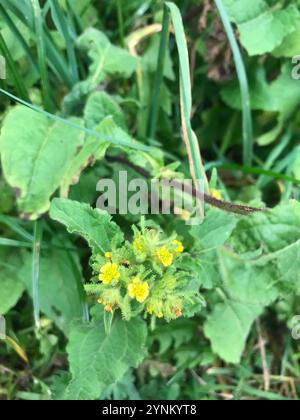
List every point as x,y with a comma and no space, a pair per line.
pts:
63,27
17,79
134,146
159,74
37,240
274,155
242,76
42,55
14,244
191,141
54,57
13,28
14,225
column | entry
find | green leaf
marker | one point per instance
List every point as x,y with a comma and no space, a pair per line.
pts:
215,230
247,290
97,228
100,105
290,46
281,96
272,230
93,149
262,27
277,234
105,60
58,294
11,285
35,155
98,360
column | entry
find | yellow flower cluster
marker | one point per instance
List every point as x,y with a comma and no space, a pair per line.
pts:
132,272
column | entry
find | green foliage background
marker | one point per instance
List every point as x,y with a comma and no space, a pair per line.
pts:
90,82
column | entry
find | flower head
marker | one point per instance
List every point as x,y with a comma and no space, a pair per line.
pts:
109,273
178,247
108,255
164,256
138,290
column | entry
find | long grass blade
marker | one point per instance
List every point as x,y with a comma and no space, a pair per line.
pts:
14,243
14,224
13,28
37,240
63,27
134,146
274,155
39,24
54,57
159,74
13,71
242,76
191,141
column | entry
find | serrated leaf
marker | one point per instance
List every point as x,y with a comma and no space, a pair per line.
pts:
35,153
277,234
98,360
95,227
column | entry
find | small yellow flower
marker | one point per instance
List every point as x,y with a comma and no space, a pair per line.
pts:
139,245
108,255
216,194
164,256
178,247
138,290
109,273
108,308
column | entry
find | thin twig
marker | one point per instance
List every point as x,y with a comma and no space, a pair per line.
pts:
208,199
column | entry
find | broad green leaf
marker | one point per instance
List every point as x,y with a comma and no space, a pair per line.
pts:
105,60
93,149
11,286
277,234
247,291
96,227
35,154
262,27
58,293
98,360
290,46
272,230
281,96
100,105
215,230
